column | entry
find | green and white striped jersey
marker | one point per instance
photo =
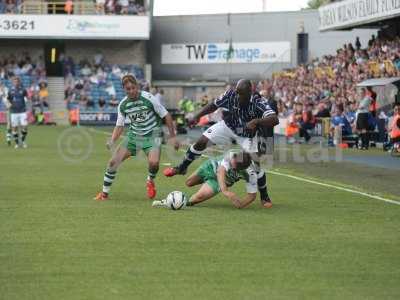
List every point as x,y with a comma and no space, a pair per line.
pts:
231,176
144,114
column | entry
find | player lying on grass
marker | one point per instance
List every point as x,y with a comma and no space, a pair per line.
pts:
217,175
144,113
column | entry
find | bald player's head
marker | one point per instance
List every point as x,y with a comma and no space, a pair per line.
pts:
243,88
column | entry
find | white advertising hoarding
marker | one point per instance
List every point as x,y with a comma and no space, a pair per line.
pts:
74,27
219,53
356,12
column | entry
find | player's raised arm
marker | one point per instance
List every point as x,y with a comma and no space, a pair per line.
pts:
266,117
208,109
220,102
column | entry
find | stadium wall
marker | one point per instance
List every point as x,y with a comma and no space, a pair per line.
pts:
174,91
34,48
115,52
241,28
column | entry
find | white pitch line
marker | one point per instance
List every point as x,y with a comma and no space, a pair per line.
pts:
91,129
335,187
305,180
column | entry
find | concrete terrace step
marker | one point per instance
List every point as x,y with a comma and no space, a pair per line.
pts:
56,95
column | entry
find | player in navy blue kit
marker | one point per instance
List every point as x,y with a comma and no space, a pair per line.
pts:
244,113
19,119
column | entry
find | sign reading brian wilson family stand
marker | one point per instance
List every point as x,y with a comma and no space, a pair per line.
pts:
350,13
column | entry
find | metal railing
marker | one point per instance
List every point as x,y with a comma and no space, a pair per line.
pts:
45,7
78,7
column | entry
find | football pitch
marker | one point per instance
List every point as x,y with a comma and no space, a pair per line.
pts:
56,242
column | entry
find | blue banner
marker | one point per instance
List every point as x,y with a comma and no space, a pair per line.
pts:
97,118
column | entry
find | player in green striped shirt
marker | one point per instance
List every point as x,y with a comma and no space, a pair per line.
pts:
218,174
144,113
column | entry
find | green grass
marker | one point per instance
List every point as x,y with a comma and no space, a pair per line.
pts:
57,243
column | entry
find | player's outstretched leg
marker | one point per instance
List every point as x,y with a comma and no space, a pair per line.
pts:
154,162
119,156
261,182
192,153
262,188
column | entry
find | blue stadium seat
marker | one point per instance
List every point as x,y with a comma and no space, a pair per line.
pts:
96,91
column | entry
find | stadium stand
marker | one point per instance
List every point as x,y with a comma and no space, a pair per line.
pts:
31,72
110,7
10,6
33,78
328,85
87,85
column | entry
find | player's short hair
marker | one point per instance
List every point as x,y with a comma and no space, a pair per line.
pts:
246,83
129,78
243,160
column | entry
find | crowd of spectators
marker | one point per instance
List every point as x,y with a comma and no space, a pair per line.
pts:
10,6
120,7
111,7
101,7
33,78
95,84
326,87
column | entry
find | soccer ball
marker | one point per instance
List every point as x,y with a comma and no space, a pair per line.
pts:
176,200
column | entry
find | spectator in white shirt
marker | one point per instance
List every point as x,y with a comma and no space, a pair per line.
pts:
111,90
160,96
100,6
124,4
98,59
110,7
117,71
86,71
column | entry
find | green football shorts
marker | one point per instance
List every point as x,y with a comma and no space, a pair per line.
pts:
146,143
207,173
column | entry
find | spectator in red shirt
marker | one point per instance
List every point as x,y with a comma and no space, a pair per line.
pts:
372,107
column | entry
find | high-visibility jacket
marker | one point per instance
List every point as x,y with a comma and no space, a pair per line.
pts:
74,116
395,133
